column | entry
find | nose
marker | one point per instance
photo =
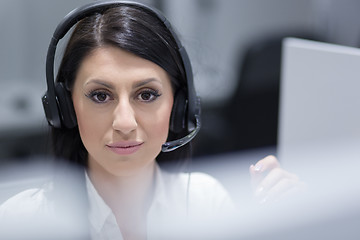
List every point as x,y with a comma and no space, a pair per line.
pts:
124,117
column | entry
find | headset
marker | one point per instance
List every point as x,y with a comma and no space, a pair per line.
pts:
57,103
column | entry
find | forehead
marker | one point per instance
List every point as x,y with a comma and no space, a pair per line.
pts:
110,63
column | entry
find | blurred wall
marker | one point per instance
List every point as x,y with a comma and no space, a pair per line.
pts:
217,32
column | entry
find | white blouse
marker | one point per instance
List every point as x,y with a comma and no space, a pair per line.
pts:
180,200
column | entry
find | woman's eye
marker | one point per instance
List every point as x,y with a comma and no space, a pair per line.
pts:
148,95
99,97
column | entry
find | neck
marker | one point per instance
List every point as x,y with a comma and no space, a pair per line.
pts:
125,193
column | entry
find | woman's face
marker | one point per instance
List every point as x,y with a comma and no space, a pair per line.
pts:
123,105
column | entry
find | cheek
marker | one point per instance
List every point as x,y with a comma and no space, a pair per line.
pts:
90,130
84,123
158,127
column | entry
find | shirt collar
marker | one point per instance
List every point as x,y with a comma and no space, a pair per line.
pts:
99,211
159,190
169,192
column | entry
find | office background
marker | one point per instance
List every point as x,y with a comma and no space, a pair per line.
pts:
234,46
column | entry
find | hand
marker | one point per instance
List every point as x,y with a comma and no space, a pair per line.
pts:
271,183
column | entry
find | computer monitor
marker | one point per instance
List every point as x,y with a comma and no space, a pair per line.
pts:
319,121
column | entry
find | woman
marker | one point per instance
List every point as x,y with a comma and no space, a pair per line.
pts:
122,80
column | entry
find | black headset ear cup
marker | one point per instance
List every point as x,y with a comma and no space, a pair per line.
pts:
65,105
179,113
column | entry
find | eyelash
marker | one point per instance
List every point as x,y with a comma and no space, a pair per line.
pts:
93,95
154,95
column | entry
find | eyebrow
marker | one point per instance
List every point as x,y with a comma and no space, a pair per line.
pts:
135,85
144,82
105,84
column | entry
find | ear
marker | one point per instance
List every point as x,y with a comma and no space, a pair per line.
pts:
178,114
65,105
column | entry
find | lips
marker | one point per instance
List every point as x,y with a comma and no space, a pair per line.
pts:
125,148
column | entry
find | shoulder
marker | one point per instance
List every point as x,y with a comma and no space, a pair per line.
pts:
197,182
25,203
205,189
200,189
204,181
193,179
22,213
31,214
